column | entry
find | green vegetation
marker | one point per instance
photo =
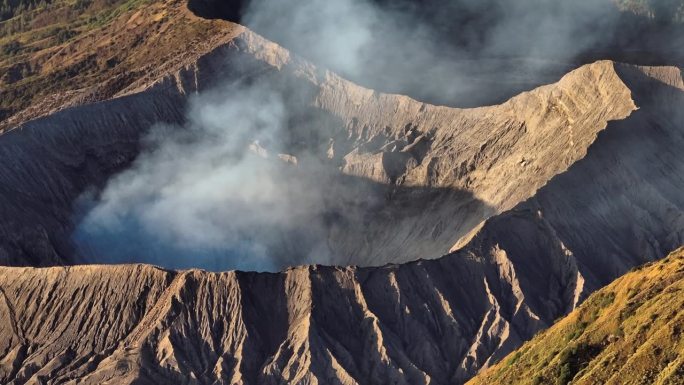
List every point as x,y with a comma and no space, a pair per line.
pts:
106,16
513,358
629,330
53,51
11,48
573,359
63,35
11,8
28,27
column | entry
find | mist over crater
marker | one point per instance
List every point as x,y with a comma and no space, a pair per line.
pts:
465,53
254,179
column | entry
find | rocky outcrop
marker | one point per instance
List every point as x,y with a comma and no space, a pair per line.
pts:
424,322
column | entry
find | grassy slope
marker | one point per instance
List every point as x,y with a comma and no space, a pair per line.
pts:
627,333
71,45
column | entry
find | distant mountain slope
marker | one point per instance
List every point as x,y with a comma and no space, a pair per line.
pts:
57,54
626,333
489,50
66,53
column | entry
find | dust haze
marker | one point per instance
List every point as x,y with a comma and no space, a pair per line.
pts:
217,193
462,53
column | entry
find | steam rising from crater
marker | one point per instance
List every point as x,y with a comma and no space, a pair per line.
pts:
218,193
460,53
234,188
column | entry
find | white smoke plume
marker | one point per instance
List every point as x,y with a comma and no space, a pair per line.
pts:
216,193
222,193
459,53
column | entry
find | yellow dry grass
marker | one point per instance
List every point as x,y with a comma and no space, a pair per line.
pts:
105,51
627,333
